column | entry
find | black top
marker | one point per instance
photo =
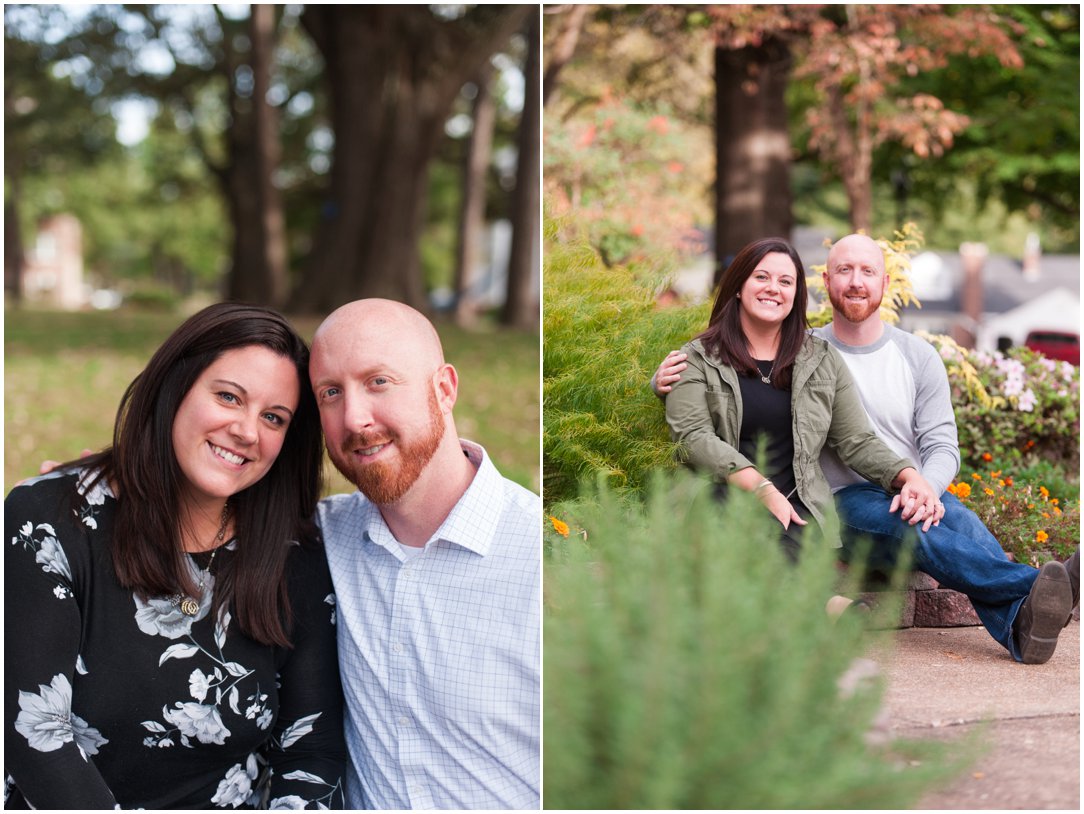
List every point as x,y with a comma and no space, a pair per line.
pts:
766,412
111,700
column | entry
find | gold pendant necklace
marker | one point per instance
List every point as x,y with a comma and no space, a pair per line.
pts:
190,605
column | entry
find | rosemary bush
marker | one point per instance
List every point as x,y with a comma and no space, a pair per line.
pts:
687,666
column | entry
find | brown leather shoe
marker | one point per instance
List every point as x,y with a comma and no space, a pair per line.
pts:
1043,614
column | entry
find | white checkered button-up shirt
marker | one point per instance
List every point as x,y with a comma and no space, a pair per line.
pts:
440,653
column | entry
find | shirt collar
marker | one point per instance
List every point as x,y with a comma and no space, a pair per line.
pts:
471,524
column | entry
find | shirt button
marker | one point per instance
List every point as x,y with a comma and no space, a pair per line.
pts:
404,720
398,648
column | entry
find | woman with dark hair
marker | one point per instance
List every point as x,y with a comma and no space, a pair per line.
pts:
169,634
755,373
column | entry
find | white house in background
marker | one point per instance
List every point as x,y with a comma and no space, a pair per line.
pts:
1056,310
1015,301
53,270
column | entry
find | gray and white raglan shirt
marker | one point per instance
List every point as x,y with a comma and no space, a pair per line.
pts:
904,388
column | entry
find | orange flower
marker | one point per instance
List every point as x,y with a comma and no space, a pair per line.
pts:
976,476
963,490
989,492
1054,501
558,526
1041,536
951,489
986,456
1046,515
1057,510
660,124
1008,481
1044,492
588,136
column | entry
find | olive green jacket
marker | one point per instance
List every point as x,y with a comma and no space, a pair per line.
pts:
704,411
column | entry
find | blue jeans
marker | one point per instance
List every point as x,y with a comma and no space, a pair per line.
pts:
960,553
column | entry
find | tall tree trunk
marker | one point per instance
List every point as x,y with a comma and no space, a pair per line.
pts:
473,205
258,272
563,48
521,302
853,146
752,190
268,151
393,73
14,257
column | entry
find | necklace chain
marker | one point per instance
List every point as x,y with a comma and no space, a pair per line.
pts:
767,379
190,605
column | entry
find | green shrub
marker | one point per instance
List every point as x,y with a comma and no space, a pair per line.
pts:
1014,409
687,666
604,337
1025,516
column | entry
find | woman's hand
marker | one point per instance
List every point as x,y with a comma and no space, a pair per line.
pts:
778,505
917,499
775,501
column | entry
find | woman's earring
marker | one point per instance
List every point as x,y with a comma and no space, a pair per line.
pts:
738,295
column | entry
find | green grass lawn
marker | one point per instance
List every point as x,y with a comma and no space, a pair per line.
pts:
64,375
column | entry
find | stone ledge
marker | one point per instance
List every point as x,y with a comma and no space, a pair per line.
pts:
926,604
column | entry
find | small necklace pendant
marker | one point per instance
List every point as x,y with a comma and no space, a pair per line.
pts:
765,379
189,606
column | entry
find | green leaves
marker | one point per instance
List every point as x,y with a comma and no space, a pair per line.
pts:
688,666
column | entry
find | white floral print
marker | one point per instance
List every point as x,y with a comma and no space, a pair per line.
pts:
236,787
289,803
47,722
52,558
94,497
222,701
41,539
200,721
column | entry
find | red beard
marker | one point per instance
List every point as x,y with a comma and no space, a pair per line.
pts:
385,482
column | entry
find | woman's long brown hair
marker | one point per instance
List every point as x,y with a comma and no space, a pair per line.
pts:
146,546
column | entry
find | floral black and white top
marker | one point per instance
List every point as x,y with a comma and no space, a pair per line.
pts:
112,702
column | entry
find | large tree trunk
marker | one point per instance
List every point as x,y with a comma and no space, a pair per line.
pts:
564,46
473,204
853,145
259,270
521,302
752,191
393,73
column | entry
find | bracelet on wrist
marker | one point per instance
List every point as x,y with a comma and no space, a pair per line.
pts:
762,484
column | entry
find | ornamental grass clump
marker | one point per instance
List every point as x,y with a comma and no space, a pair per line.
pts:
688,666
605,335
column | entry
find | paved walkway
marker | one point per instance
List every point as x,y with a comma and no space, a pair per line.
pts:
942,682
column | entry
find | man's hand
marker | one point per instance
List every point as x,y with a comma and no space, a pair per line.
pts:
669,372
917,500
48,466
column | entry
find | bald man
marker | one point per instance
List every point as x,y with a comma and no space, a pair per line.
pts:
436,563
904,388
